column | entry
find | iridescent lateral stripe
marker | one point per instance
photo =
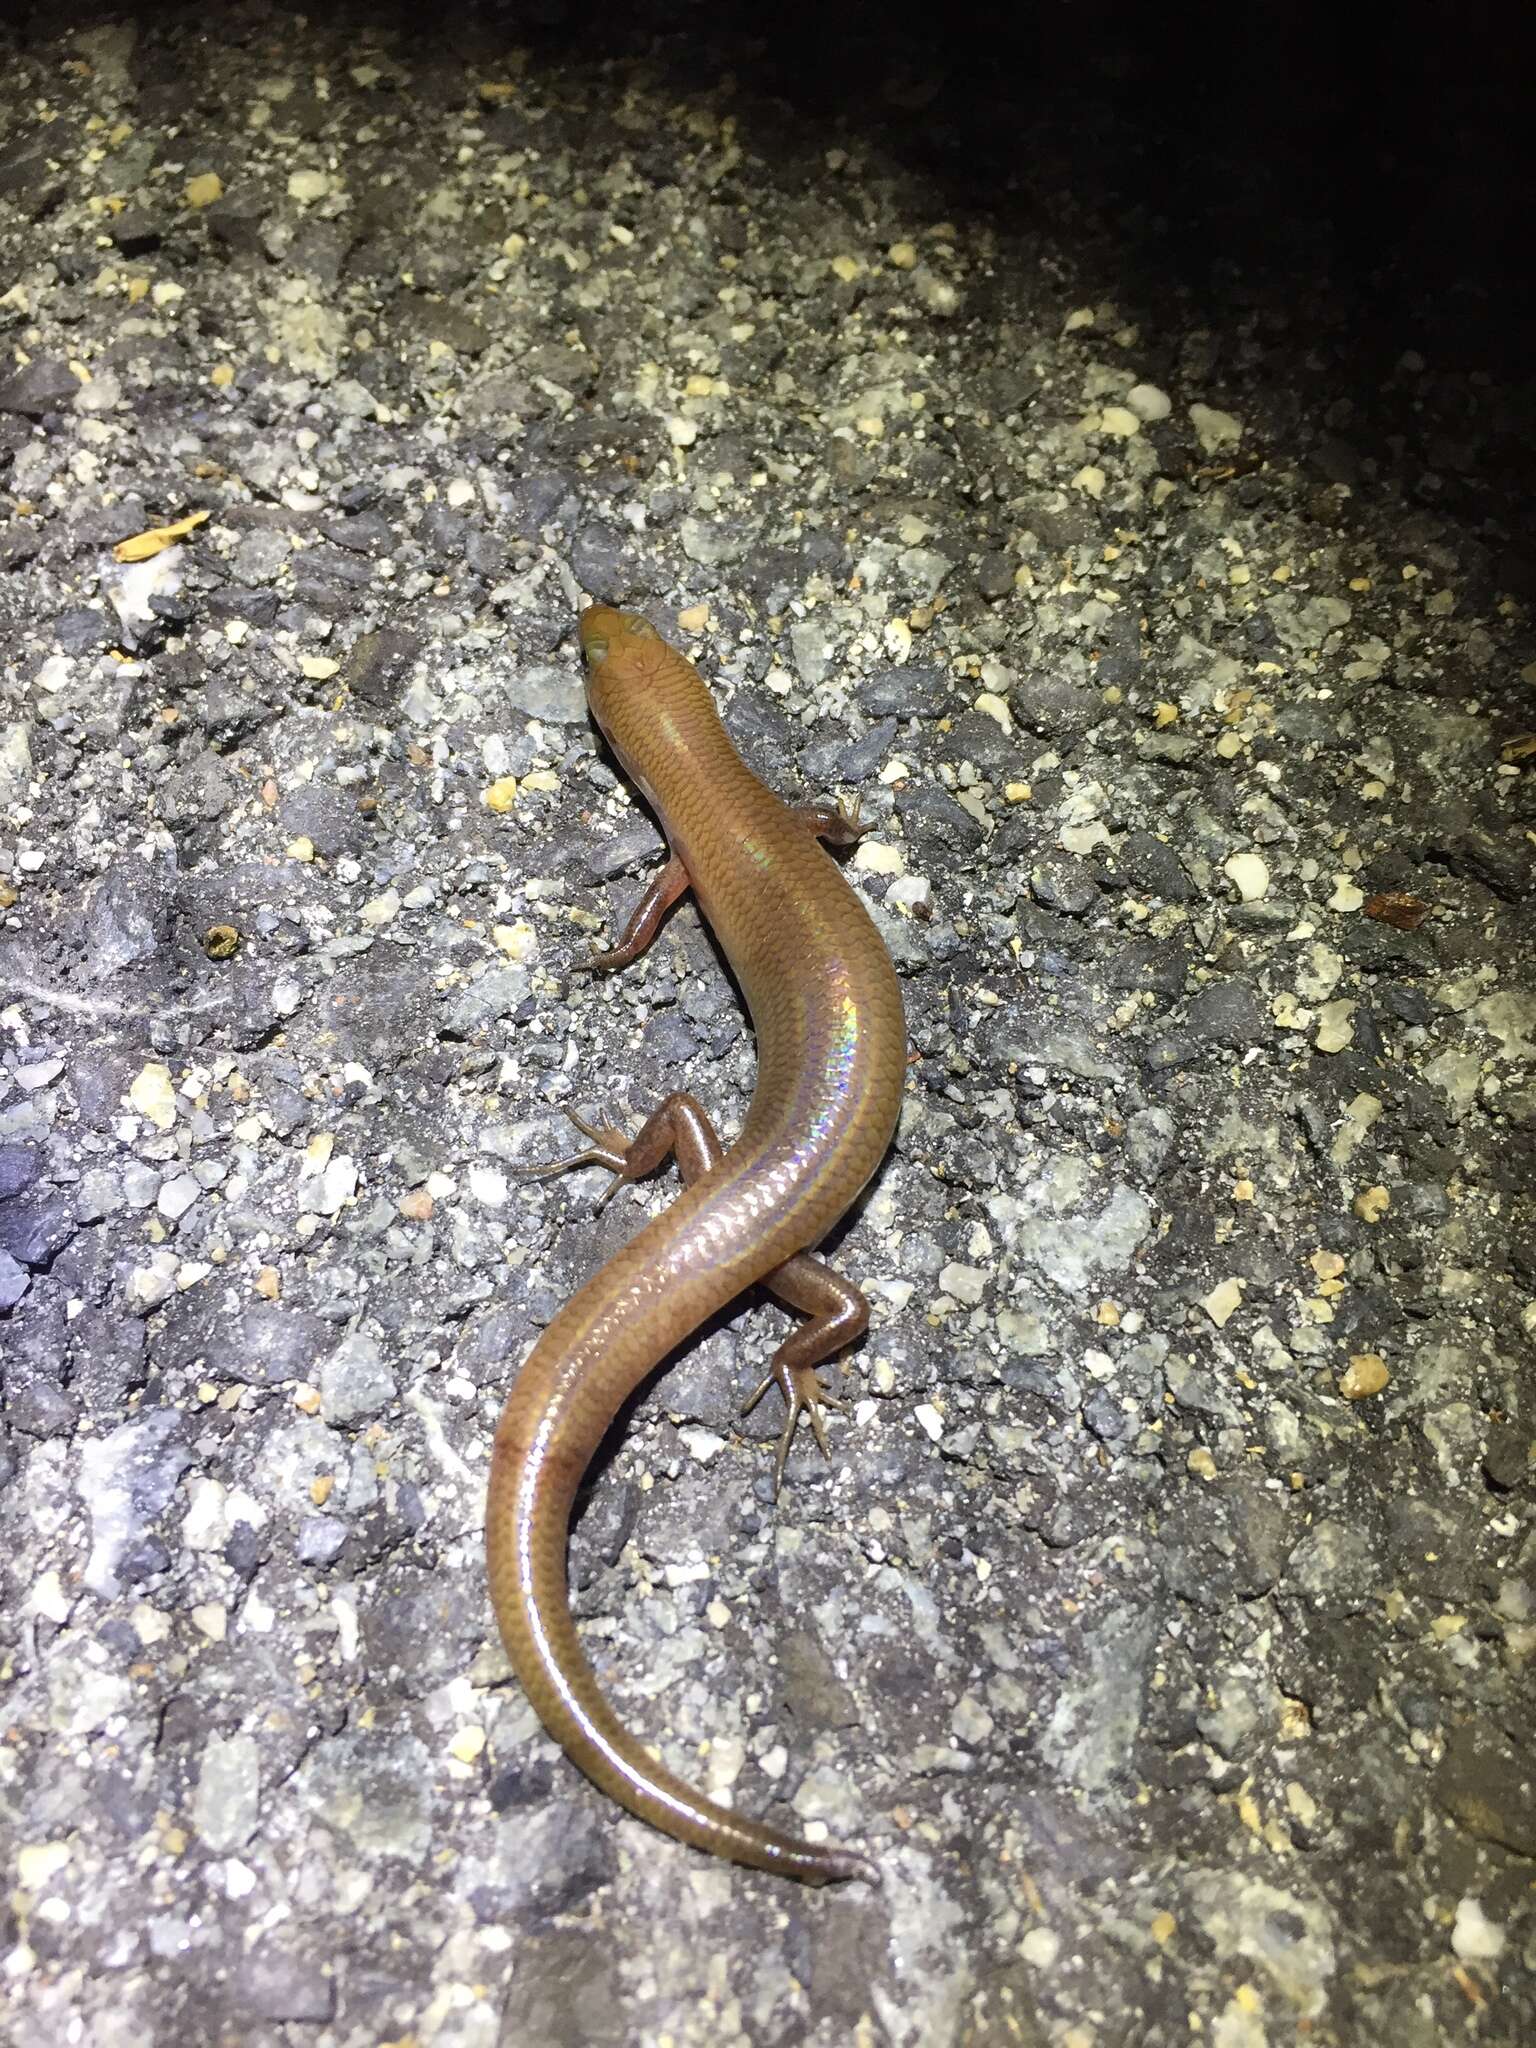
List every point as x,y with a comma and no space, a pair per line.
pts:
836,1078
819,1109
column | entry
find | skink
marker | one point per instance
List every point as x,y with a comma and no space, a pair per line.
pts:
831,1052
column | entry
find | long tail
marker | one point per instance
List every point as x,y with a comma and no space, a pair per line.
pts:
535,1469
527,1524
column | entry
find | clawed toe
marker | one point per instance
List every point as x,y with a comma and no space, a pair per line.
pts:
608,1147
803,1395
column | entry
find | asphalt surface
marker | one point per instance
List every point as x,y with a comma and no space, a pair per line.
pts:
1110,467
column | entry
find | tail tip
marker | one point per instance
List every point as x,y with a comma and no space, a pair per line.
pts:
844,1866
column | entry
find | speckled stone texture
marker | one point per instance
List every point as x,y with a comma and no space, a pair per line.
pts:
1100,443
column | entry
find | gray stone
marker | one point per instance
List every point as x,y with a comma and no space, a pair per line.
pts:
127,919
1227,1013
1152,867
44,385
20,1166
1335,1568
35,1228
1489,1785
555,695
126,1482
14,1280
1064,885
380,664
912,692
226,1799
282,1981
354,1381
322,1539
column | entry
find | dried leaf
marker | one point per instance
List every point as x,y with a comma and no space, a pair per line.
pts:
139,547
1404,912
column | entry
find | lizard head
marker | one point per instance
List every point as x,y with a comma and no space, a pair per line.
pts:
608,635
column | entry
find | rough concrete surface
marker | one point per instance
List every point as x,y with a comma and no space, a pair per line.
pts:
1163,1623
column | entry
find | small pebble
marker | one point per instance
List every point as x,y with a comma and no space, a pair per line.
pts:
929,1420
1223,1301
1148,403
381,909
1215,430
1335,1026
467,1744
1474,1937
1248,874
1119,421
153,1096
1366,1374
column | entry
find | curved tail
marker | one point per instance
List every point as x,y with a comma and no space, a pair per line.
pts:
533,1483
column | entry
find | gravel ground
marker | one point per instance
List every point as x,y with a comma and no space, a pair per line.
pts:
1164,1621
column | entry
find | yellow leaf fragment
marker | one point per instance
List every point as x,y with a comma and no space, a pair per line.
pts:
140,547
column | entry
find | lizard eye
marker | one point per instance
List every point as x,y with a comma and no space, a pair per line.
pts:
595,651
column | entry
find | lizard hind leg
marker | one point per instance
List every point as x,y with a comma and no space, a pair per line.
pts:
679,1127
839,1313
607,1146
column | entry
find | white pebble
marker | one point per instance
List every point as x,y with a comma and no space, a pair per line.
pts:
1347,895
381,909
875,857
913,893
1040,1948
964,1283
1476,1938
1148,403
1335,1026
1215,430
177,1196
149,1285
338,1184
153,1096
1248,874
38,1074
488,1187
1224,1301
702,1445
37,1862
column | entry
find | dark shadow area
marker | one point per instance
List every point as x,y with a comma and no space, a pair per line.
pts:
1322,189
1319,191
